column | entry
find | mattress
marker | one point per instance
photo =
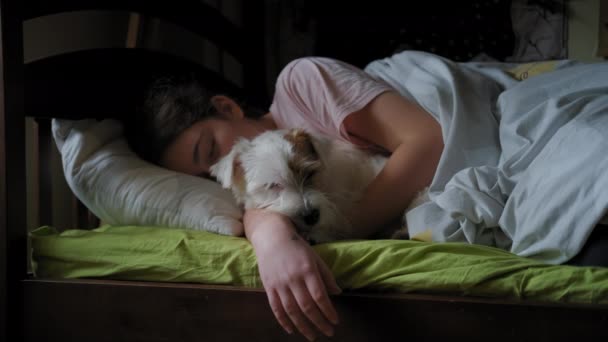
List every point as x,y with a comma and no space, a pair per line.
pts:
403,266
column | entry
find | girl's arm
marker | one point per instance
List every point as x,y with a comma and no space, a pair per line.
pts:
414,139
295,278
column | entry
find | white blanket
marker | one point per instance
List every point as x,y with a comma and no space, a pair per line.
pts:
525,164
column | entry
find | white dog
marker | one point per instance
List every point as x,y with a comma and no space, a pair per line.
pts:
311,179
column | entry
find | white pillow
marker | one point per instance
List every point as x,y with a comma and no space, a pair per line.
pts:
122,189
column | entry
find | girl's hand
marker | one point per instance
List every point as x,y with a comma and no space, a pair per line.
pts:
295,278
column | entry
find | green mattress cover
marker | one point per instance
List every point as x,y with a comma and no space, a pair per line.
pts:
176,255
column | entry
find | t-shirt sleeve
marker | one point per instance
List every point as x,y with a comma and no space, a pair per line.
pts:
319,93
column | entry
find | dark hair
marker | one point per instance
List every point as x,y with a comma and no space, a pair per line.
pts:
171,105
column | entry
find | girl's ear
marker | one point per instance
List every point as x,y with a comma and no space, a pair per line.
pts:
227,107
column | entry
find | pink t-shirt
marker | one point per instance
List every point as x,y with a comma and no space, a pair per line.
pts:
317,94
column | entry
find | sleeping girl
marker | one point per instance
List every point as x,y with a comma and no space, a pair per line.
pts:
497,154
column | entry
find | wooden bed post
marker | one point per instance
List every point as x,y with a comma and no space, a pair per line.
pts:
13,254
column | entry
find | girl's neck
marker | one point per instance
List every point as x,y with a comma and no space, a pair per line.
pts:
268,122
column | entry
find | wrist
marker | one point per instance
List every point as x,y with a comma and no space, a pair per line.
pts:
264,226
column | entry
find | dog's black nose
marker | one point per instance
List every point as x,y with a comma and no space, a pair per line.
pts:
310,216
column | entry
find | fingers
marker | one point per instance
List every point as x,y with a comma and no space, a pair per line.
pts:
277,309
319,295
293,312
310,307
328,278
304,307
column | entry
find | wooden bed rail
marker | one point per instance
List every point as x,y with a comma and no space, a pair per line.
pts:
141,311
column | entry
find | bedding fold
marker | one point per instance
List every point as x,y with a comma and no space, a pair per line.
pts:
524,166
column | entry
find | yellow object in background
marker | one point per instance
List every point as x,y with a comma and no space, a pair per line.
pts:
527,70
425,236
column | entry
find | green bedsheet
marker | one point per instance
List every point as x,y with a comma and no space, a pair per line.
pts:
175,255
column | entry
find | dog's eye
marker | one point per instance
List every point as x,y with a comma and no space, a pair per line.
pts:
274,186
308,176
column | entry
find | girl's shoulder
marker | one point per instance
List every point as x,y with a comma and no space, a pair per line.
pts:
317,70
319,92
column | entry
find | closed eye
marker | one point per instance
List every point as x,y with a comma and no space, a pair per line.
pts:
274,186
308,177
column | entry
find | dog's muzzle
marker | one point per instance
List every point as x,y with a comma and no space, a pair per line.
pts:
310,216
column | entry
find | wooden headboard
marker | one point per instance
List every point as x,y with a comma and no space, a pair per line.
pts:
95,82
98,83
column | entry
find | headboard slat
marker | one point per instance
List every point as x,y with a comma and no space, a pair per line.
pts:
193,15
103,83
45,176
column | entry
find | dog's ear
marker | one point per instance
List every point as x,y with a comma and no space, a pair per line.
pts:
306,159
228,171
302,143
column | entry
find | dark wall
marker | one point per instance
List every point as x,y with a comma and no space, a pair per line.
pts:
363,31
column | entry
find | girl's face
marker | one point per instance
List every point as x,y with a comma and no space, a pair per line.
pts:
201,145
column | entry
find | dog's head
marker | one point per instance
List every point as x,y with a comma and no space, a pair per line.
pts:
278,170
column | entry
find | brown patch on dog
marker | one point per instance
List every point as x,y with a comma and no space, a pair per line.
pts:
238,176
306,160
302,143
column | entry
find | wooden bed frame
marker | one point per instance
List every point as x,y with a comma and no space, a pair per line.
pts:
103,310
